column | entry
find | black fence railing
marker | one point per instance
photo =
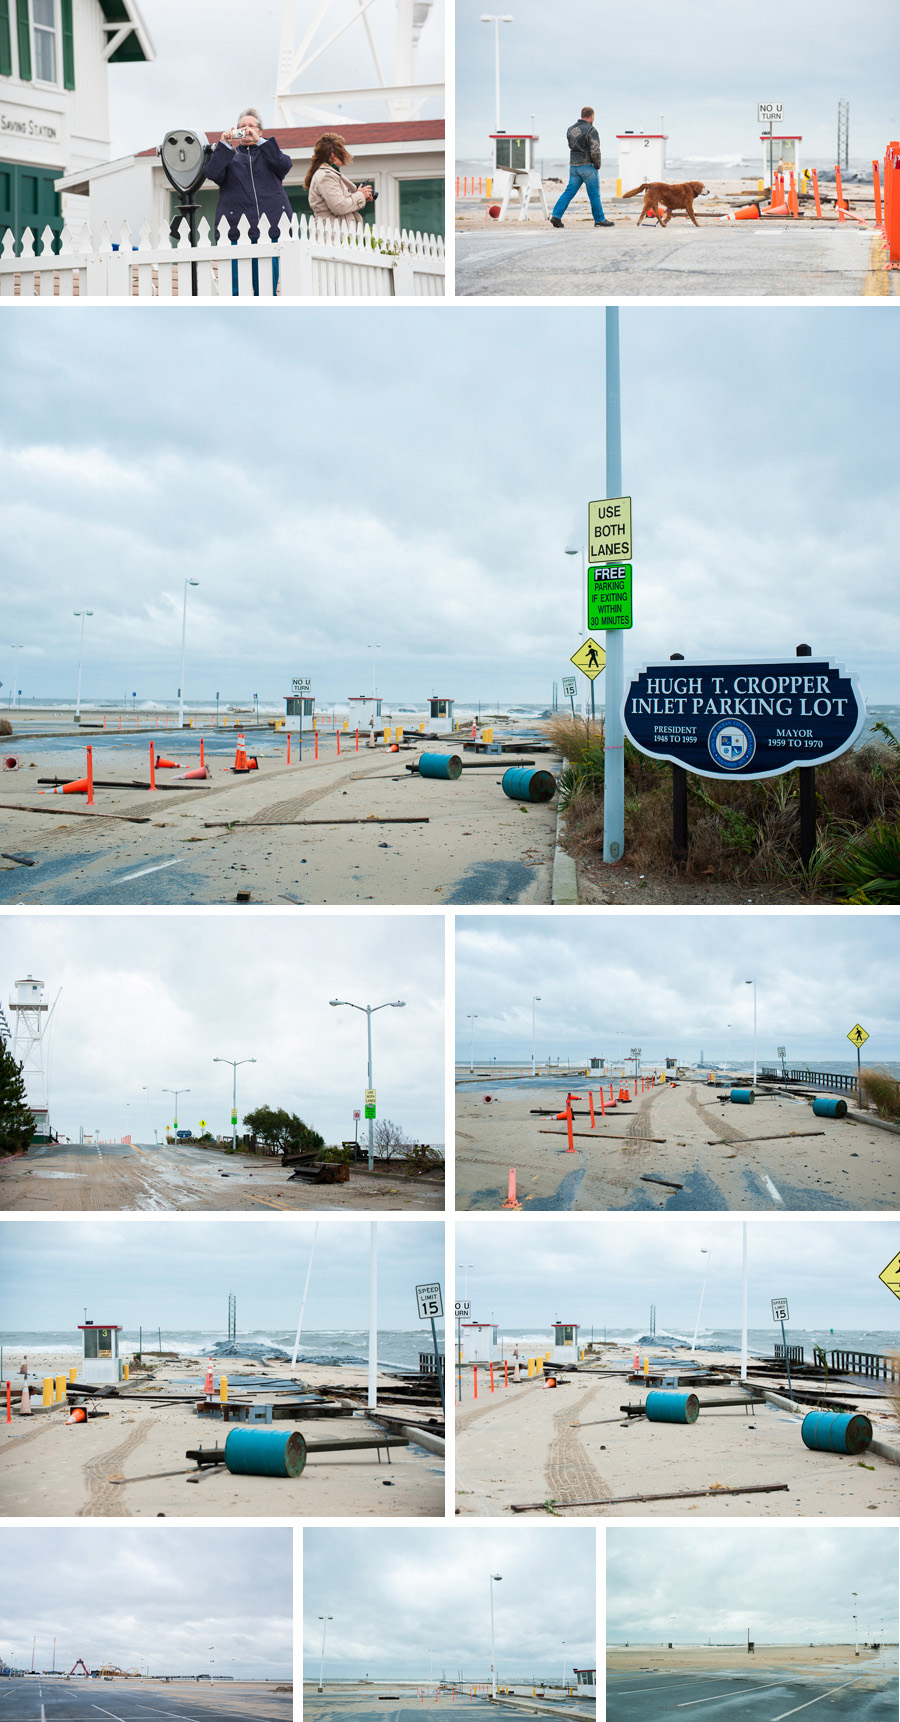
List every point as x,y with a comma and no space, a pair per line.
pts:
866,1363
794,1353
835,1079
428,1363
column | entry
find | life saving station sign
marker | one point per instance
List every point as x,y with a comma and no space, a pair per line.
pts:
743,720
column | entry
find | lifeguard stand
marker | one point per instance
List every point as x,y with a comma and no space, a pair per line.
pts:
100,1360
478,1342
440,714
300,705
565,1342
514,156
642,155
781,153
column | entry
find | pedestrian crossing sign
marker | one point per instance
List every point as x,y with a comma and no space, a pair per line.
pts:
589,658
891,1276
858,1034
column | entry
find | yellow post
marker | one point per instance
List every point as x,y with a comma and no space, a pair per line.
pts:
487,735
489,186
398,733
646,1368
223,1388
759,186
531,1365
387,732
540,1366
73,1375
125,1368
618,188
61,1389
48,1390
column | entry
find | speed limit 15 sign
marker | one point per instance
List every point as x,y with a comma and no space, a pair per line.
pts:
429,1301
780,1309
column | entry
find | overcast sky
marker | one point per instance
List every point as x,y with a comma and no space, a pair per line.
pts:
397,1596
396,477
160,1273
674,985
214,56
157,1597
150,1001
608,1272
786,1584
698,65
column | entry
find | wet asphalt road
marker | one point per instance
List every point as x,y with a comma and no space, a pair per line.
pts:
111,1701
766,1697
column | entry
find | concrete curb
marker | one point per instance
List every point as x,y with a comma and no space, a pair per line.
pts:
534,1706
564,887
876,1123
883,1449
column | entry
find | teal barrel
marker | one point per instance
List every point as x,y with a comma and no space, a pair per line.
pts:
672,1407
829,1106
836,1431
265,1452
440,765
522,784
741,1097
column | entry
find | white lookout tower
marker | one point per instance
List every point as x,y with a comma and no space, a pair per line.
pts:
302,44
30,1017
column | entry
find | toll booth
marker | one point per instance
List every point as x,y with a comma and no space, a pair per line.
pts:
300,710
100,1360
514,157
780,154
440,714
478,1342
366,700
565,1342
642,155
585,1676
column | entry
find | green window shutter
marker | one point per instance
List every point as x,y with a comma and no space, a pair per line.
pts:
68,44
5,41
23,23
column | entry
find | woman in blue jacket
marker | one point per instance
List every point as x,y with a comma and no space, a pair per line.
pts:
249,170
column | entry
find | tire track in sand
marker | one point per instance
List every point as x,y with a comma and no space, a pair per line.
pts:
104,1500
569,1472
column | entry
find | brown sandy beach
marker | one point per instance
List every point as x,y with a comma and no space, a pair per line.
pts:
50,1467
716,1658
533,1444
713,1149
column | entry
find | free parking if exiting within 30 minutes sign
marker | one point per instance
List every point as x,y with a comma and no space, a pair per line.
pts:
609,564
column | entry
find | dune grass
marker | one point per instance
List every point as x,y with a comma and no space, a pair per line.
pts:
881,1090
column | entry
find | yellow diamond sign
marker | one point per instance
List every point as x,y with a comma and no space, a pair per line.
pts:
891,1276
858,1034
589,658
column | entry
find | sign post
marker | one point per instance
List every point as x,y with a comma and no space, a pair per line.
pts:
780,1312
613,737
430,1304
589,659
859,1036
463,1313
569,685
767,113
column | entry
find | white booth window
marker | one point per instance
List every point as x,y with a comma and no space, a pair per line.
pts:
43,14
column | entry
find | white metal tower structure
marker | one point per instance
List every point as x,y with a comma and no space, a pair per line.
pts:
31,1015
303,43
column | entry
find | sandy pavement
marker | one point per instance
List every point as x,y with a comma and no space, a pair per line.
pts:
476,847
712,1148
150,1178
51,1467
531,1443
717,1658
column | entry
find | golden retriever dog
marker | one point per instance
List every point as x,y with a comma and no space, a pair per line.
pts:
671,197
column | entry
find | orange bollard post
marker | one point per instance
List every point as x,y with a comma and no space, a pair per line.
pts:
815,175
891,195
792,200
152,766
840,192
337,737
357,740
591,1104
505,1373
289,748
90,777
877,188
202,755
492,1375
511,1191
602,1106
571,1147
316,733
475,1372
9,1402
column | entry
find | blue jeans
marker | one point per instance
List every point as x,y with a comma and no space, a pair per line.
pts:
276,270
590,179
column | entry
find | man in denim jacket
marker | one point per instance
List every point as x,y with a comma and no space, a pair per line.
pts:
584,160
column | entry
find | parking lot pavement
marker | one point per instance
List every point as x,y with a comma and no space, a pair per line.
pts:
766,1697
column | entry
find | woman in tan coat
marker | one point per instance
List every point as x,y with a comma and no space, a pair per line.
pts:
331,194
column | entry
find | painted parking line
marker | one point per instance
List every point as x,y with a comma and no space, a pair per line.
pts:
740,1691
776,1197
108,1713
818,1700
123,879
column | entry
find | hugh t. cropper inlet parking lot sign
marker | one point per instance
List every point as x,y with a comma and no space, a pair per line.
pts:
743,720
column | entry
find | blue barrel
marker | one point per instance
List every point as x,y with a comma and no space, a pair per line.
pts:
440,765
522,784
836,1431
672,1407
829,1106
741,1097
265,1452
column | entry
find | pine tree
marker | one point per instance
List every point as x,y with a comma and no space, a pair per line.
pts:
16,1116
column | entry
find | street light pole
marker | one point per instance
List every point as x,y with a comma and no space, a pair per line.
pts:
753,985
464,1268
324,1618
495,1579
702,1296
373,650
176,1092
391,1004
473,1018
854,1594
13,694
496,18
535,1001
183,637
83,614
234,1062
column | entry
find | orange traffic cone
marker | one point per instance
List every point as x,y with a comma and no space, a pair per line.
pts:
751,213
624,1094
77,1416
777,209
167,764
240,757
208,1384
25,1401
792,201
199,771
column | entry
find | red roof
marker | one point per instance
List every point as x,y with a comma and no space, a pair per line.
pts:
383,131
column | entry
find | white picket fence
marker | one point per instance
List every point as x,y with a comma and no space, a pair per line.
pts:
320,259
